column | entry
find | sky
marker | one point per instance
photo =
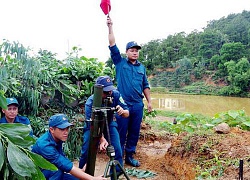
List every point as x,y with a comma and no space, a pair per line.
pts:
58,25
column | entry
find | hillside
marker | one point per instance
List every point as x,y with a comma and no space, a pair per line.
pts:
184,157
219,53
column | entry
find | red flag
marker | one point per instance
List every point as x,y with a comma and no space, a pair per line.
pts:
105,6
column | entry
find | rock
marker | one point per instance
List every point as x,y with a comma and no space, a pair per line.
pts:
157,144
222,128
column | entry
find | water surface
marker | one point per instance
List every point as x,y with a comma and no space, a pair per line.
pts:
202,104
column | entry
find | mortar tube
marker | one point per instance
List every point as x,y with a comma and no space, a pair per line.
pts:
96,129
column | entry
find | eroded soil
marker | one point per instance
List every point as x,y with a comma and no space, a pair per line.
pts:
176,157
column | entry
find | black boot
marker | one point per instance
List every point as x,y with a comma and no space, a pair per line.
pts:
131,161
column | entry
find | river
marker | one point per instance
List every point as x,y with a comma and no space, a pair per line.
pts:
201,104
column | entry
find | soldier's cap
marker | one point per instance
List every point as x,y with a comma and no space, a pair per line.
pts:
132,44
60,121
106,82
11,101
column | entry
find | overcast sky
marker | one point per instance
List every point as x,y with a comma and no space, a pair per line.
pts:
58,25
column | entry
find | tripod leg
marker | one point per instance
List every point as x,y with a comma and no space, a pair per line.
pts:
116,163
114,174
112,165
107,169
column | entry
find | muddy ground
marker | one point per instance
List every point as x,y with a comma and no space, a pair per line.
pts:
176,158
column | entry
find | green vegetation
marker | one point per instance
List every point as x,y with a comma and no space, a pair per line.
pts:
43,86
140,174
214,61
199,129
187,122
16,159
162,90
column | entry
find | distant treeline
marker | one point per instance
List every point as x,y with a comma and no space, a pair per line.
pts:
212,61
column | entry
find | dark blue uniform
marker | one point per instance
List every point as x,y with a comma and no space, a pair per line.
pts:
132,80
53,152
114,135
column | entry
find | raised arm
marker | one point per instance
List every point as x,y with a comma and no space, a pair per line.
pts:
111,36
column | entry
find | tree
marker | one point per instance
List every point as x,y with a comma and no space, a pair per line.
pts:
232,51
239,76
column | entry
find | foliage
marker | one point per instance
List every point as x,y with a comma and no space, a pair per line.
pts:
140,174
39,125
238,76
148,114
45,85
3,102
176,79
158,90
48,86
184,122
234,118
38,77
212,168
199,128
46,81
16,160
222,41
167,113
189,123
195,122
200,88
72,147
210,162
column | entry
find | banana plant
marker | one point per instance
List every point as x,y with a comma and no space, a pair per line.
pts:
47,85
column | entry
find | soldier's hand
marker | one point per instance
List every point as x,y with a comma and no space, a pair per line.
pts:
120,110
109,22
103,144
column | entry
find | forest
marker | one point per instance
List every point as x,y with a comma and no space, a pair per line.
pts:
212,61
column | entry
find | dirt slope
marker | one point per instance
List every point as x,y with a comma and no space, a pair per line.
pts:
176,157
